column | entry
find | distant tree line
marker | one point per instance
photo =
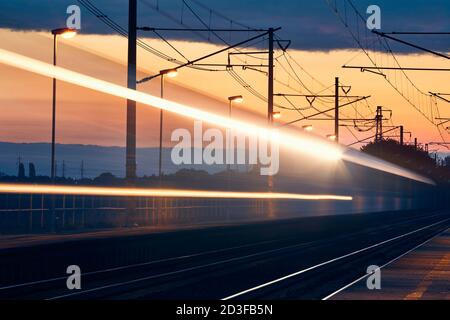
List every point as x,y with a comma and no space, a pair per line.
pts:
410,157
184,178
407,156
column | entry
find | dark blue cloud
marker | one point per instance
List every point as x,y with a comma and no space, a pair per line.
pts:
310,25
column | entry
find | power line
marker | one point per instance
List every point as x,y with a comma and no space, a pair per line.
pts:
104,18
384,46
207,27
382,34
123,32
235,76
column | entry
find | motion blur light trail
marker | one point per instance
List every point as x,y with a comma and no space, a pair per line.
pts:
309,145
321,149
366,160
141,192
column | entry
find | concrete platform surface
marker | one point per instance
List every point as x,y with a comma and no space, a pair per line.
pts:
423,273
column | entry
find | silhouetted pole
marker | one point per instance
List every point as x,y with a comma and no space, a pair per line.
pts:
270,95
161,129
336,108
401,135
415,143
230,102
131,110
381,123
52,167
232,99
52,173
270,79
131,105
66,33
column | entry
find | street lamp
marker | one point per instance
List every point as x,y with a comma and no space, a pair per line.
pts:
331,137
66,33
231,99
276,114
171,73
237,99
307,127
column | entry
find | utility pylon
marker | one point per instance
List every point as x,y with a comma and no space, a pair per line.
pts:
131,104
311,97
131,110
270,96
379,124
336,109
401,135
270,79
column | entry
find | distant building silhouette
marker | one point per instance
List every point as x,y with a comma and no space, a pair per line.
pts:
31,170
82,170
21,173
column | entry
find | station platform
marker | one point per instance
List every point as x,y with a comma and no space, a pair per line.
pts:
422,274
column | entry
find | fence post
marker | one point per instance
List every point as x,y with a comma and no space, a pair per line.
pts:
31,213
73,210
42,211
64,212
82,211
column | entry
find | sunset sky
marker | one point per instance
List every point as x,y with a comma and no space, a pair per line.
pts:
87,117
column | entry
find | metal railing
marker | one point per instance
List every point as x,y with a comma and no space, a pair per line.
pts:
22,213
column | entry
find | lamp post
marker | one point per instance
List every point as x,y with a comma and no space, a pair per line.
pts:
231,99
171,73
276,115
66,33
237,99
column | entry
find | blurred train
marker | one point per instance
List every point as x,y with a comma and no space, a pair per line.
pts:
370,190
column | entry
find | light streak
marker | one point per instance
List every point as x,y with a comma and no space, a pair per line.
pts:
169,193
321,149
379,164
307,144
